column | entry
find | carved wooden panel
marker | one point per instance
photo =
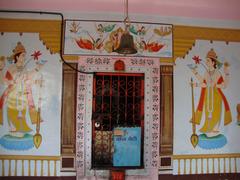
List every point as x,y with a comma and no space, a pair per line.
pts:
166,113
68,111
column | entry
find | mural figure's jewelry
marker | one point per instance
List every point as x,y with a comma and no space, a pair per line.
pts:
210,95
20,99
210,102
20,69
211,73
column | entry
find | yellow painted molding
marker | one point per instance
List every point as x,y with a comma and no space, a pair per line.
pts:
48,168
29,25
23,157
22,168
29,167
35,168
167,60
49,30
213,34
9,168
166,70
220,160
70,58
3,168
183,41
14,159
185,37
206,156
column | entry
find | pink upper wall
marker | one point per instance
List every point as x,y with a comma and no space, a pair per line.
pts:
204,9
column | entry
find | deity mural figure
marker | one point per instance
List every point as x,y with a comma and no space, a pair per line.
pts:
211,100
17,98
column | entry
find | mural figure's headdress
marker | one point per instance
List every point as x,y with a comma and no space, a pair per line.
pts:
212,54
18,49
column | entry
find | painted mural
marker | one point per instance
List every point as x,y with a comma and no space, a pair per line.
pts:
207,91
210,101
28,102
18,97
103,38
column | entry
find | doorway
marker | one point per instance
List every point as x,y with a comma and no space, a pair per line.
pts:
118,106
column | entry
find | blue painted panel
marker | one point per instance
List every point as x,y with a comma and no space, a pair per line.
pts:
127,147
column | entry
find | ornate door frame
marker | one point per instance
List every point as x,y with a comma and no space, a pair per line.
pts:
151,69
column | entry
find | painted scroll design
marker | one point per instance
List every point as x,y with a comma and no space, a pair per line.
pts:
155,116
80,116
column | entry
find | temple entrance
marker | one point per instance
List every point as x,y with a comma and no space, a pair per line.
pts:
117,120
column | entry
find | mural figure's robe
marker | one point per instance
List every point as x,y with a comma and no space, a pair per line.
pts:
214,119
